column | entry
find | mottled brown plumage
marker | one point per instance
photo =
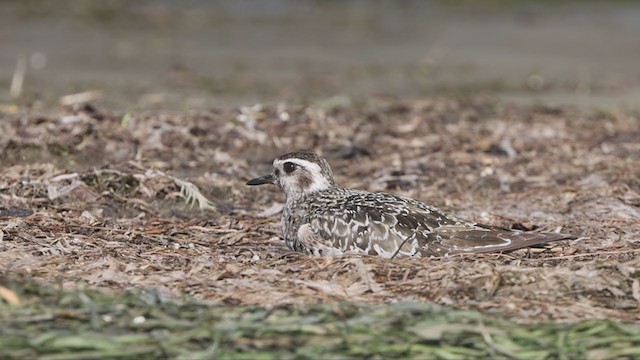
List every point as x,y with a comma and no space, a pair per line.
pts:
323,219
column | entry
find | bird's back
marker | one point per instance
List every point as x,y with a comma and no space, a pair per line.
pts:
390,225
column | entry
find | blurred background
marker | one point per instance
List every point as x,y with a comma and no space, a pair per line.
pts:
181,55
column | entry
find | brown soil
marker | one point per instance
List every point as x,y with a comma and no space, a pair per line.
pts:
94,198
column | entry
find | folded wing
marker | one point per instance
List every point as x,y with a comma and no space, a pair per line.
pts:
396,226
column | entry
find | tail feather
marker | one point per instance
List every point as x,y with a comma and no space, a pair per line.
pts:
521,240
453,240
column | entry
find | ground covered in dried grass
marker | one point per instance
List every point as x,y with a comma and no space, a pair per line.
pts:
109,202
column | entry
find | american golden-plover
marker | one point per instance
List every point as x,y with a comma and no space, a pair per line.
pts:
321,218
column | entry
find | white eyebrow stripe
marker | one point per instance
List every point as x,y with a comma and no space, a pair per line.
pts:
310,166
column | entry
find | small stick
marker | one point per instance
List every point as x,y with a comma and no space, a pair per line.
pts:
17,81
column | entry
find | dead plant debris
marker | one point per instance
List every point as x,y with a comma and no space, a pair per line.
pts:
90,200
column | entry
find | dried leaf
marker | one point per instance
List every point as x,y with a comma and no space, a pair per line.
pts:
274,209
9,296
635,290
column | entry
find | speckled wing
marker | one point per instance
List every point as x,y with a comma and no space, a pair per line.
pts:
390,225
376,224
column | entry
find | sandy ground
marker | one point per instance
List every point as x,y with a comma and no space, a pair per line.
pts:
100,199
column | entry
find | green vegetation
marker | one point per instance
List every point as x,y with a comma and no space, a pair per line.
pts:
63,324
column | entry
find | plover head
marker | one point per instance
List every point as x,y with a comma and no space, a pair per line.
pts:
298,173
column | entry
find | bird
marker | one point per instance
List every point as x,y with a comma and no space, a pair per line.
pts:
322,219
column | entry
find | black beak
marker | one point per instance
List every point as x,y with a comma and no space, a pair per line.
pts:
267,179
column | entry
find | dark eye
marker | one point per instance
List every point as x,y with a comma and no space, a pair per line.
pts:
289,167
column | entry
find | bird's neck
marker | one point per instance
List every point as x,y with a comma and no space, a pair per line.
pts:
296,196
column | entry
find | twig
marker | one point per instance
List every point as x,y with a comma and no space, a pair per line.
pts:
586,255
17,81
